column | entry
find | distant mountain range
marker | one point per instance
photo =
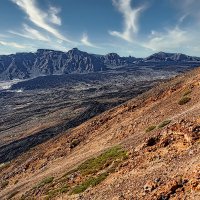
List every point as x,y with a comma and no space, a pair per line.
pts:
50,62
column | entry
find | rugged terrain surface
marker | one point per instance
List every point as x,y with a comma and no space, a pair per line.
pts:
49,62
146,148
35,110
33,116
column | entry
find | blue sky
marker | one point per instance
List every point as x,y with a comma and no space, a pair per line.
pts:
127,27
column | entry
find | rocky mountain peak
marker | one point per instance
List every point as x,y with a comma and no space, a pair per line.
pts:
75,51
42,51
112,56
48,62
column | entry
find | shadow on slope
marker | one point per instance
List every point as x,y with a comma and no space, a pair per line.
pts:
16,148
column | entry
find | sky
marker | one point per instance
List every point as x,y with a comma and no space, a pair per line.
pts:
127,27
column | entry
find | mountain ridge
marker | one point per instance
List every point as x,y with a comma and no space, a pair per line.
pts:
51,62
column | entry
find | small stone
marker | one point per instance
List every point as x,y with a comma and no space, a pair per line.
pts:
156,180
149,186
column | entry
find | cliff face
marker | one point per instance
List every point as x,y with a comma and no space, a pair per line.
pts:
146,148
48,62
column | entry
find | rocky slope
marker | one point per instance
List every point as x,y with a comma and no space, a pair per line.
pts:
146,148
49,62
176,57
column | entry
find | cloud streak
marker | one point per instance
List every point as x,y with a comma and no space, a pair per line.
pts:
13,44
169,40
31,33
53,15
40,18
85,41
130,16
188,8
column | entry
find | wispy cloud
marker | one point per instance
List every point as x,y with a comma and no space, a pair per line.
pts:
188,8
169,40
175,40
31,33
41,18
183,17
85,41
53,15
130,19
13,44
3,36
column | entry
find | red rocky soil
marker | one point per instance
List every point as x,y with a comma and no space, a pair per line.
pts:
162,164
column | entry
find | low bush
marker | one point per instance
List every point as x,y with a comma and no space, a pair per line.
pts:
187,92
45,181
93,181
184,100
4,165
74,143
88,174
106,162
64,189
4,184
12,194
150,128
164,123
105,159
53,193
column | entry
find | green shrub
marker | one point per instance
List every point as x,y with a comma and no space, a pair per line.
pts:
74,143
93,165
12,194
184,100
187,92
45,181
4,165
53,193
93,171
164,123
64,189
113,167
150,128
4,184
93,181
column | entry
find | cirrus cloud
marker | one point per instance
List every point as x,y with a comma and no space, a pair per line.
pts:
130,19
169,40
13,44
31,33
85,41
40,18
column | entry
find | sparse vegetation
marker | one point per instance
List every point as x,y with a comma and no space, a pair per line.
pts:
4,165
164,123
53,193
45,181
105,159
4,184
88,174
74,143
113,156
64,189
184,100
187,92
150,128
13,194
93,181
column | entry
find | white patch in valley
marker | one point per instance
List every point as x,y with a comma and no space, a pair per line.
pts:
6,85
